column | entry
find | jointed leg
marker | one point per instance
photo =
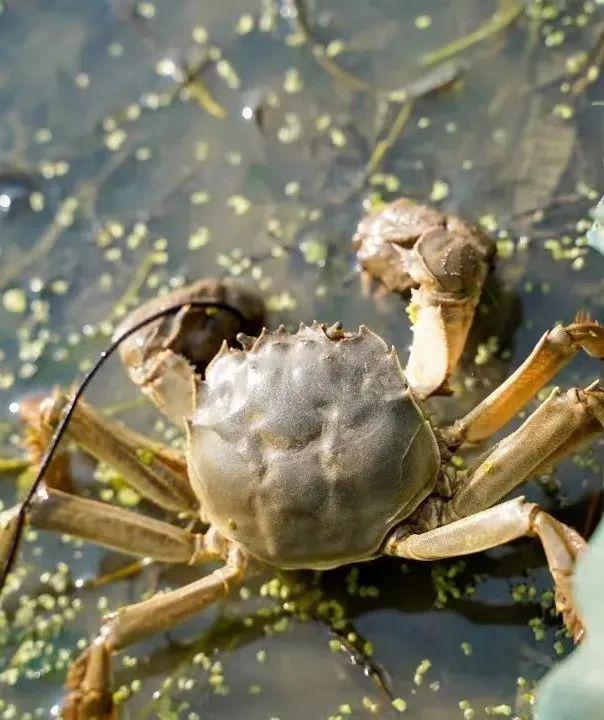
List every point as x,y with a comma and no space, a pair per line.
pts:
36,438
469,522
154,471
559,426
108,525
550,355
88,680
496,526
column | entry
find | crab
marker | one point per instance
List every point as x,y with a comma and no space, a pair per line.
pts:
313,449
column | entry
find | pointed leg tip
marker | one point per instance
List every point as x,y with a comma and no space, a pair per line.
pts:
77,706
566,606
89,694
574,625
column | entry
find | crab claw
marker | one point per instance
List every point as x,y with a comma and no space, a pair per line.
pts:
384,240
563,547
166,357
444,262
449,268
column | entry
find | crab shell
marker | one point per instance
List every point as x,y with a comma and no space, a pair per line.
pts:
308,448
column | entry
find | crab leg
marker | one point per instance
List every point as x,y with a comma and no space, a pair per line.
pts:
89,678
154,471
496,526
107,525
468,521
550,355
559,426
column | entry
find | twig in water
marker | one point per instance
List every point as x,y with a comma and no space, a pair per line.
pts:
559,201
130,294
298,14
123,573
435,80
380,150
358,656
121,407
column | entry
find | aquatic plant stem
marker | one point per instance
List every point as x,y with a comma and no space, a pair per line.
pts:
591,70
300,17
130,294
383,146
507,13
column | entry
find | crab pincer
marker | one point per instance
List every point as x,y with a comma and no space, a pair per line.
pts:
443,262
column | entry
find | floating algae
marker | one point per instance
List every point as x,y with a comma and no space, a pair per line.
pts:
227,139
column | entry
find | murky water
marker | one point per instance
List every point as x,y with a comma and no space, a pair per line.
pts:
144,145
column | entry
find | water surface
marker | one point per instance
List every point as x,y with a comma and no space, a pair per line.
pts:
145,145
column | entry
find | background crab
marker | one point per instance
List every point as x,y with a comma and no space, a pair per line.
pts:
311,449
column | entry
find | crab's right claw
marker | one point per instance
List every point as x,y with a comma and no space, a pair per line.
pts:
449,266
88,683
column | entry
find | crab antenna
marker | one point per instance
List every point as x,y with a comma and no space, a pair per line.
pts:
70,407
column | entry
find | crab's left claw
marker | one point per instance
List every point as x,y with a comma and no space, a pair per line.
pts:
449,266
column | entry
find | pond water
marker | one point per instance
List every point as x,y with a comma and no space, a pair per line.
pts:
143,145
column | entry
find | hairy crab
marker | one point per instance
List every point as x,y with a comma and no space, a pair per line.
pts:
311,449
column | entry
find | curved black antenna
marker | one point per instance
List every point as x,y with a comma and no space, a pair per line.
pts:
70,407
